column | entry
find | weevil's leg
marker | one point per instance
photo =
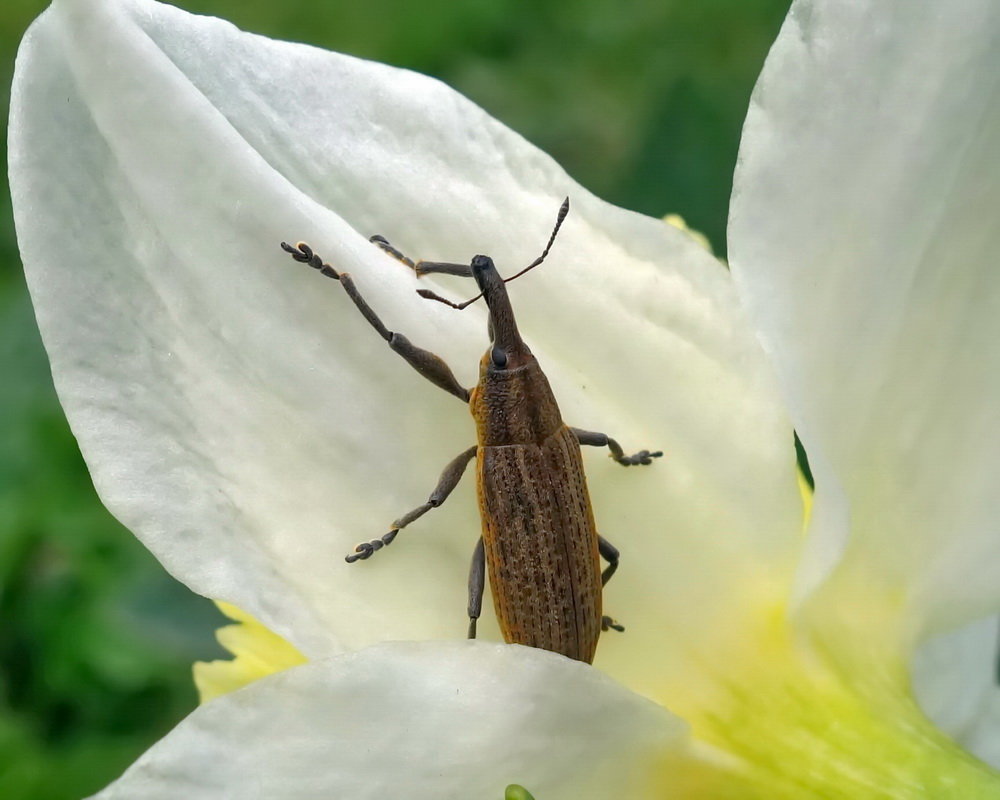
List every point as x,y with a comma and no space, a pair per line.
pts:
422,267
477,581
610,554
603,440
425,362
382,242
448,481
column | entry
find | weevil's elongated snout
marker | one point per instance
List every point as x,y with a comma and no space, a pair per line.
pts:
502,323
486,275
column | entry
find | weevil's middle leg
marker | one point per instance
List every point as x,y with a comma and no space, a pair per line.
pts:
603,440
449,479
610,554
425,362
477,582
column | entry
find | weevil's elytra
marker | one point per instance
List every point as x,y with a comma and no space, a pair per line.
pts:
539,540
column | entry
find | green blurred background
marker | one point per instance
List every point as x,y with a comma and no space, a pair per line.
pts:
642,102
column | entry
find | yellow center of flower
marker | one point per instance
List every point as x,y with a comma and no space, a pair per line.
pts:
799,731
781,715
778,717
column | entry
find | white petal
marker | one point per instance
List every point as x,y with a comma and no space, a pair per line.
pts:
439,721
242,418
982,736
955,681
955,676
863,235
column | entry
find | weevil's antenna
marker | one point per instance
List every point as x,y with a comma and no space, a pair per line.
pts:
563,211
427,294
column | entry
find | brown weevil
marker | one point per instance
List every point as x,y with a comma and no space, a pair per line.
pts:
539,540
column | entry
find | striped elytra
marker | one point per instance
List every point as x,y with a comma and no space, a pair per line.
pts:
538,527
539,543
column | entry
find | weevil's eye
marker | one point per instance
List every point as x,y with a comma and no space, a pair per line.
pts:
499,357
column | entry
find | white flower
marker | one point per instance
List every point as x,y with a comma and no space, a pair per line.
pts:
243,420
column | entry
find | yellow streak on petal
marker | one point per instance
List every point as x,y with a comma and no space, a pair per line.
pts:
258,652
795,717
807,500
677,221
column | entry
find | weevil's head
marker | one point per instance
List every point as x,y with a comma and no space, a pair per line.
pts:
513,403
507,350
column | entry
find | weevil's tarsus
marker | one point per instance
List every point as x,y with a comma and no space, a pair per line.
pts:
382,242
449,479
431,366
422,267
303,253
368,549
595,439
477,583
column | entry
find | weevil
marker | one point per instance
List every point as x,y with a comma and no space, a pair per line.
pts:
539,540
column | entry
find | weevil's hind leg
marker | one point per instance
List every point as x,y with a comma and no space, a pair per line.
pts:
603,440
449,479
425,362
610,554
477,582
608,624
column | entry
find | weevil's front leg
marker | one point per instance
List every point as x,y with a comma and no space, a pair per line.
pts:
425,362
610,554
603,440
422,267
477,582
449,480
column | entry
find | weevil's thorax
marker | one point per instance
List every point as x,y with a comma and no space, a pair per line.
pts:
513,402
513,406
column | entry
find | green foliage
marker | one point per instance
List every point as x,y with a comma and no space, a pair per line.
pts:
642,102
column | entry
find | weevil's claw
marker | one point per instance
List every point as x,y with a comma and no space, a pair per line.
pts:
300,251
609,624
303,253
366,550
361,552
643,457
